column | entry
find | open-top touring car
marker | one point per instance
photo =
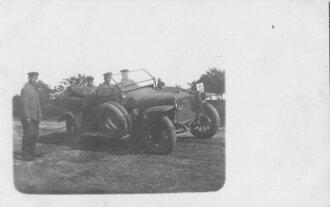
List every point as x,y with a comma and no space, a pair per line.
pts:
141,110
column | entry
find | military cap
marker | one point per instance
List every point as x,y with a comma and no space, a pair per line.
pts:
124,70
33,74
107,74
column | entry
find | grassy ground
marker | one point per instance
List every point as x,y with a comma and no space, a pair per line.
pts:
96,165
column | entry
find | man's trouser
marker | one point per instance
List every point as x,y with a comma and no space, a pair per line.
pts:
30,135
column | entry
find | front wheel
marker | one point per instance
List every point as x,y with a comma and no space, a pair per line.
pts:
207,124
158,135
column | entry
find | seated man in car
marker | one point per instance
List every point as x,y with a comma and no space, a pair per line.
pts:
89,88
125,81
84,90
105,87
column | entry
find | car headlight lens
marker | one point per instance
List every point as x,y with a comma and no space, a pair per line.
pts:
135,112
123,96
178,104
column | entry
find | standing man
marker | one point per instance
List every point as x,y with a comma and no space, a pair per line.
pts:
30,117
125,81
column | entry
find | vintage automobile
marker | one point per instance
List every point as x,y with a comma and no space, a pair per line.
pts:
142,111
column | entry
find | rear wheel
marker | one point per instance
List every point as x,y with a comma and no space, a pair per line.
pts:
158,135
208,123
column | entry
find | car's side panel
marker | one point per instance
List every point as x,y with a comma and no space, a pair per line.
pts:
157,109
65,115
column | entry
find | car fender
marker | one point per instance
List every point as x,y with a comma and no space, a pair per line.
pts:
156,110
65,115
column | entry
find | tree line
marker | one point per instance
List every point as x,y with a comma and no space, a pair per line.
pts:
213,81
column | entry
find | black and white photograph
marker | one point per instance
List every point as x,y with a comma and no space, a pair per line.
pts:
164,103
130,134
125,105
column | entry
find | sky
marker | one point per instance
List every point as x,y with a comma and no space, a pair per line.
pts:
174,40
171,39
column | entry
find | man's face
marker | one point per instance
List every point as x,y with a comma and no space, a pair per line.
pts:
124,75
107,79
33,79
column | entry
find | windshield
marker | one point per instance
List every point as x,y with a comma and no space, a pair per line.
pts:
133,79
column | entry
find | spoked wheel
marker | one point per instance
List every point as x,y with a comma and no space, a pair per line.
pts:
204,124
208,123
159,136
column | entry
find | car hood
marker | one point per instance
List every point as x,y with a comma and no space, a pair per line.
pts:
147,97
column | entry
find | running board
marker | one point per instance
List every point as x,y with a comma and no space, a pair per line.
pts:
181,128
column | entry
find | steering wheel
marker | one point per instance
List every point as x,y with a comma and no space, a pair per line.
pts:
115,93
115,87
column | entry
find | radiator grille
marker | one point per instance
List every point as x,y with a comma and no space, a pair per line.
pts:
185,114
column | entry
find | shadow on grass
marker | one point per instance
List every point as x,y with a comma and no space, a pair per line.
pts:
111,146
186,137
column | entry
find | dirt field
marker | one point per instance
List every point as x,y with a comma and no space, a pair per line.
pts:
96,165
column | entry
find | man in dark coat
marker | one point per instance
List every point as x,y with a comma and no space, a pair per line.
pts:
30,117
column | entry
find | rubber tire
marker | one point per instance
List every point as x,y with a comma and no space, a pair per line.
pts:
211,113
126,114
166,122
118,115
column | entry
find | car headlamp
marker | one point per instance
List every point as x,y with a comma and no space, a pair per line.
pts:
178,104
135,112
123,96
